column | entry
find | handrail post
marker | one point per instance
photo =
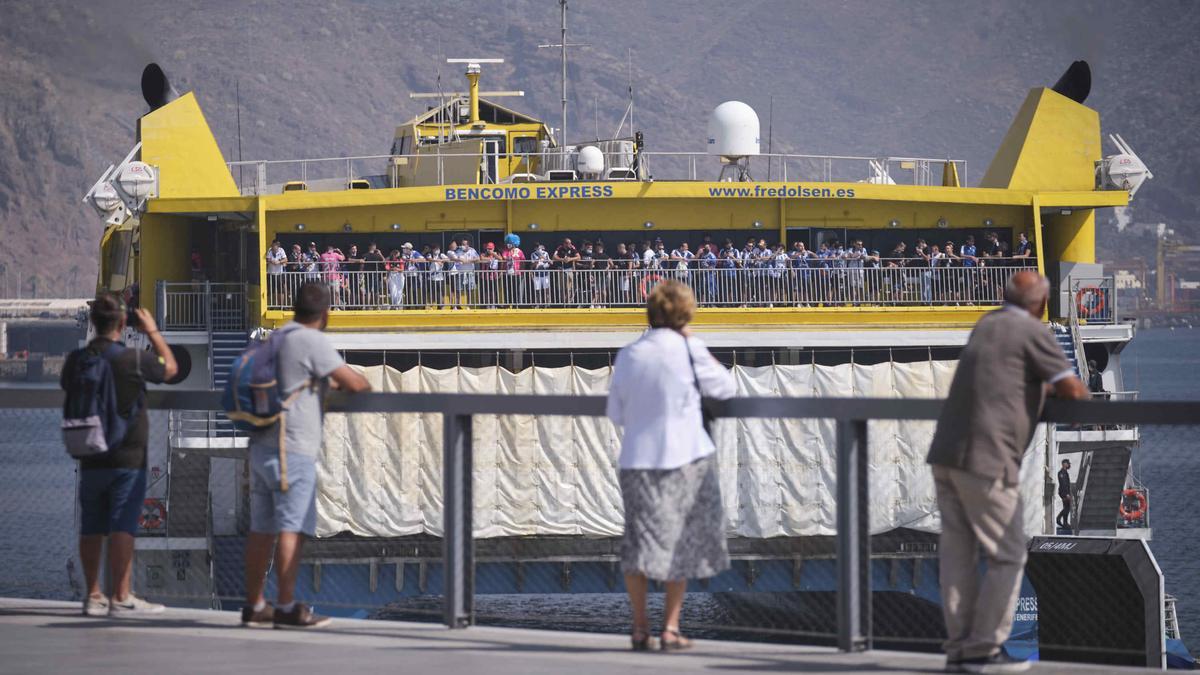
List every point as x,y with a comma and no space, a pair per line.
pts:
207,302
853,538
458,543
160,303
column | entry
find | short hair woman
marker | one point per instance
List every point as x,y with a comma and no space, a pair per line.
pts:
674,520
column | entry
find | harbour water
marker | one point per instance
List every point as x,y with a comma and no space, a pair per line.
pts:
1163,365
37,505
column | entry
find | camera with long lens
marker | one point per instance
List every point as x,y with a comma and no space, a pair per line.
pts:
132,302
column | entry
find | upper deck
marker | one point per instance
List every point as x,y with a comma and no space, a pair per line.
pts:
877,288
471,170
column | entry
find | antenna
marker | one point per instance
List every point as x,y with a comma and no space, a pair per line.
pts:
628,114
238,95
472,94
632,128
562,45
770,135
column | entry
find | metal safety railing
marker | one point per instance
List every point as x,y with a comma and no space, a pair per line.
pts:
1094,300
852,491
201,305
256,177
418,287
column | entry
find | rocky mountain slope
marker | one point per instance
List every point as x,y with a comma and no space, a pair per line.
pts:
332,78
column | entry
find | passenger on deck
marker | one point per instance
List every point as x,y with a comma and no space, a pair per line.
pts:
514,270
395,276
374,273
601,282
1063,519
439,268
416,272
276,262
312,258
625,266
296,259
1096,380
197,262
985,427
540,260
1024,250
674,518
331,260
352,279
489,278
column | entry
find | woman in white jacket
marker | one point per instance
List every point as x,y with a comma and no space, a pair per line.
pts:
674,520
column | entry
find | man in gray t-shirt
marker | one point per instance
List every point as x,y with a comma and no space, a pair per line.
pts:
986,425
283,477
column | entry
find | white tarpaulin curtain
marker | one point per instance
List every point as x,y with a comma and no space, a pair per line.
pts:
381,473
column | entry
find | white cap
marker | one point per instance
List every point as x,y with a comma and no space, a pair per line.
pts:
406,245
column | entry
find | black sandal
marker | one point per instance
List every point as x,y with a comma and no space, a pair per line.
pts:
680,642
640,640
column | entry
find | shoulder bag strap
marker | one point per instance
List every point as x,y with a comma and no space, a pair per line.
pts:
706,417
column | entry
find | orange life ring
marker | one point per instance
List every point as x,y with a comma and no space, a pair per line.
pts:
154,514
652,276
1140,511
1094,291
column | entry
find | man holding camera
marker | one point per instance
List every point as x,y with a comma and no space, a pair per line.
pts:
112,485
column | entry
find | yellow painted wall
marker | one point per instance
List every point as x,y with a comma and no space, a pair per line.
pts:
164,251
176,139
286,211
1053,144
1070,238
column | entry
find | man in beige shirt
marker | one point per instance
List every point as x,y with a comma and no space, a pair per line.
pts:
1003,375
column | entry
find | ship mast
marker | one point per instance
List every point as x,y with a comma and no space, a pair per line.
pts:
563,82
562,45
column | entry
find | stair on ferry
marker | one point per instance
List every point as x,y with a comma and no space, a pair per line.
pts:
225,348
1100,498
1062,335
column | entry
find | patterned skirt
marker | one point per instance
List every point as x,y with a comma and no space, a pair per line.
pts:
674,522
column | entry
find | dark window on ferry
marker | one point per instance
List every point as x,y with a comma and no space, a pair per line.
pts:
525,145
118,252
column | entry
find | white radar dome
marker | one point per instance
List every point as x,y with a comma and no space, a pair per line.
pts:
137,180
733,130
105,198
590,160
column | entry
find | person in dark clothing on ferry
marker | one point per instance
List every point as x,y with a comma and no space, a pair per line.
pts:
1096,379
1063,519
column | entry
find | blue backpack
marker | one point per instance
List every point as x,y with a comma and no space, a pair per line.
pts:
252,398
92,422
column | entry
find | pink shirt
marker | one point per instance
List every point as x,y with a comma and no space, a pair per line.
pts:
515,258
329,262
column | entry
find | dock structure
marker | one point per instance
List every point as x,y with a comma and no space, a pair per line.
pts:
52,636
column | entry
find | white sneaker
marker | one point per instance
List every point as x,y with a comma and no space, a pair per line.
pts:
95,605
134,606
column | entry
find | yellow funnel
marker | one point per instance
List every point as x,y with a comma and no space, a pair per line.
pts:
950,174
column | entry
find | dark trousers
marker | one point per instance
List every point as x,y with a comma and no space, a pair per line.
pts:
1063,519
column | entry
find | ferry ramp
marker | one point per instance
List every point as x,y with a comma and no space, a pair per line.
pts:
52,636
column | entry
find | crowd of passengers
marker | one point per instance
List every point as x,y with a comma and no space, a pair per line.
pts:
591,275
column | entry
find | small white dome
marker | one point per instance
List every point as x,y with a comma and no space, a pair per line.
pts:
137,180
590,160
733,130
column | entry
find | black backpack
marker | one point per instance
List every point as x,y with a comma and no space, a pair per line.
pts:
92,422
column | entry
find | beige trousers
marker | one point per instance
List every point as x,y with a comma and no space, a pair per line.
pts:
978,513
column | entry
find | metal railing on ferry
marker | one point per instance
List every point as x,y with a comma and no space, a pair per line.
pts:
1094,299
450,167
887,283
201,305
